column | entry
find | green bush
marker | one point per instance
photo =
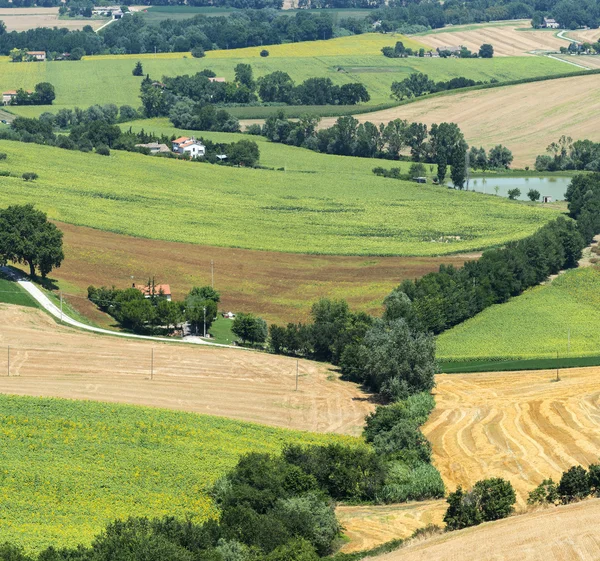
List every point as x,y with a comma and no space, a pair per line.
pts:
264,53
406,483
574,485
29,176
198,52
545,493
2,156
103,150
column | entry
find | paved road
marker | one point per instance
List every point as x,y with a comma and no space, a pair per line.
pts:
54,310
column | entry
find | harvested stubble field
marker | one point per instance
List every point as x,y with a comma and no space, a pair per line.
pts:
69,468
509,38
47,359
566,533
559,317
108,79
279,287
334,212
511,115
22,19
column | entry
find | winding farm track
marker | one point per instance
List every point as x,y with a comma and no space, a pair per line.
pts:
47,359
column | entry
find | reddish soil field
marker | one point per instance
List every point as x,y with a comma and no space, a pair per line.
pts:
278,286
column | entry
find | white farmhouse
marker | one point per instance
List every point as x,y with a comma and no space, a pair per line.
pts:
191,146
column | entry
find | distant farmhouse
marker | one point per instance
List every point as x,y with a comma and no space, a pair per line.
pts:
191,146
217,79
114,11
453,50
37,56
155,148
8,96
160,290
550,23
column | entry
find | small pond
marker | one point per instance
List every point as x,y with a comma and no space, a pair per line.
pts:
555,187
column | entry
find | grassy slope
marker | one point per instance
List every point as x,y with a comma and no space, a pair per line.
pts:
108,79
12,293
535,324
337,211
70,467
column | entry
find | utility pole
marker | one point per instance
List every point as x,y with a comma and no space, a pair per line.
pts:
152,365
204,308
212,273
557,376
297,368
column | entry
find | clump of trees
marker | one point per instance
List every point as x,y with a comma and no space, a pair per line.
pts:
575,484
43,94
499,157
26,236
566,154
147,310
419,84
488,500
250,329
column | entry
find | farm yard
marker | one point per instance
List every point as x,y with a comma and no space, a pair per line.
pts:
22,19
355,214
48,360
280,287
108,79
70,467
511,115
509,38
558,317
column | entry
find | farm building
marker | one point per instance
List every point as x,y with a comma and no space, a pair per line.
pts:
453,50
550,23
155,148
191,146
160,290
37,56
8,96
217,79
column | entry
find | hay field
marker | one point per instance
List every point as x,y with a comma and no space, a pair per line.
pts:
22,19
559,317
280,287
48,360
514,38
335,212
522,426
566,533
512,115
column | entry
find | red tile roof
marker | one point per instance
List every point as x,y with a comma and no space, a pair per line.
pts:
158,288
181,139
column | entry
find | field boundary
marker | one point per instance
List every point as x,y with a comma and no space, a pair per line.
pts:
490,365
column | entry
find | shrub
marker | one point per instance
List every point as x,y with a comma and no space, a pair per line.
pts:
405,483
138,70
198,52
264,53
4,173
514,193
490,499
533,194
30,176
594,479
3,156
103,150
574,485
545,493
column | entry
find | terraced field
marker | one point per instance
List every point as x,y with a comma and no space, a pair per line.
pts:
108,79
334,212
509,38
512,115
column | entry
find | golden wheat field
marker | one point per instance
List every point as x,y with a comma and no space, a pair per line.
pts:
515,38
567,533
513,115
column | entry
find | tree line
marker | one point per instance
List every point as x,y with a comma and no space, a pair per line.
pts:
43,94
418,84
443,144
566,154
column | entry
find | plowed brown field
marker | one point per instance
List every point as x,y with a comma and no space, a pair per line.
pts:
513,116
566,533
507,39
50,360
280,287
522,426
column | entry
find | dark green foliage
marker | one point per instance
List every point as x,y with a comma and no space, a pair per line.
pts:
574,485
43,94
594,479
514,193
200,307
10,552
264,53
2,156
545,493
250,328
533,195
103,150
243,153
29,176
138,69
198,52
27,237
490,499
418,84
486,51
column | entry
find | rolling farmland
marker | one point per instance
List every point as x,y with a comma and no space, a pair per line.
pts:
108,79
355,214
512,115
22,19
71,467
509,38
560,317
566,533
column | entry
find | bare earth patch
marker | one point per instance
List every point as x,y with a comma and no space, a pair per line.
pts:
508,40
47,359
525,118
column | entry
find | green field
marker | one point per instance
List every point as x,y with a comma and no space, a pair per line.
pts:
344,209
69,467
12,293
108,79
561,317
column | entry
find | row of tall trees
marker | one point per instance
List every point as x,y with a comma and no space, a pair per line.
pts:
566,154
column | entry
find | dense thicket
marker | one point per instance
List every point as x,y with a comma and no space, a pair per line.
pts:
418,84
566,154
575,484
